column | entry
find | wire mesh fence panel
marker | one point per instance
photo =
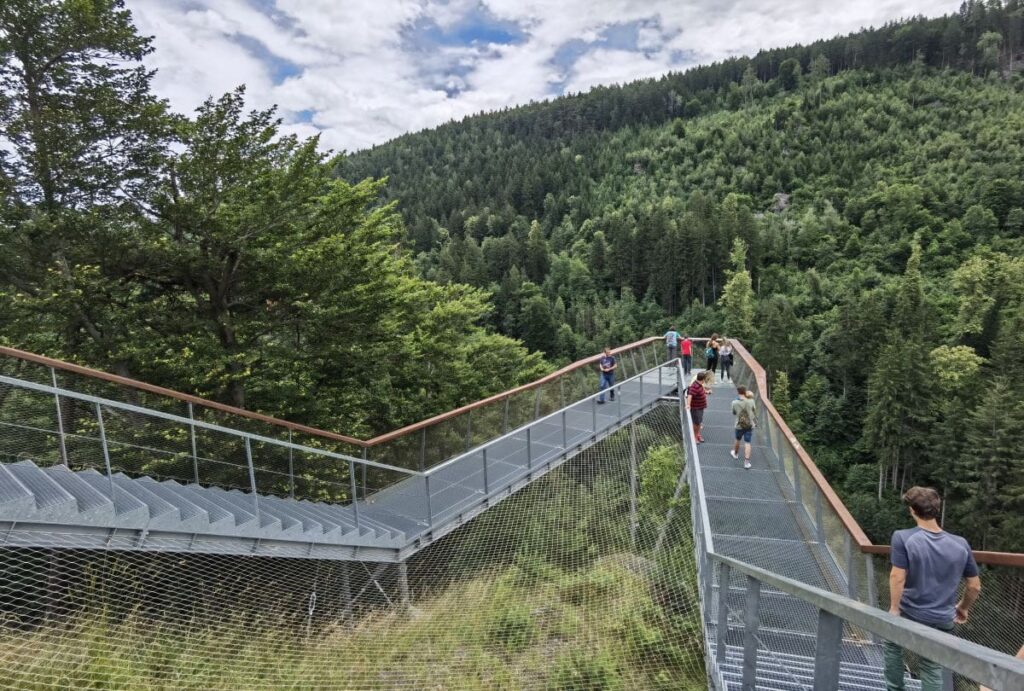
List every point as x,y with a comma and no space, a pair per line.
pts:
558,586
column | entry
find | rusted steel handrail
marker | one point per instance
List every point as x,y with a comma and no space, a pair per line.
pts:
847,519
849,522
305,429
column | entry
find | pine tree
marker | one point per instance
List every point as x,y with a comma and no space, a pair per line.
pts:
537,257
900,400
781,395
738,296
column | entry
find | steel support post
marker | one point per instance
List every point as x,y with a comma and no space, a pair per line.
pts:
60,419
423,449
430,513
632,485
869,569
487,486
561,391
819,525
593,410
355,497
641,389
106,449
751,622
252,480
529,450
619,404
722,630
632,358
504,423
826,652
195,447
796,482
291,467
366,453
536,404
851,570
346,591
565,433
469,429
403,584
643,358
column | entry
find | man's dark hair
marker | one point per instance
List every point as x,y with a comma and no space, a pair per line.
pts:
701,375
925,502
741,390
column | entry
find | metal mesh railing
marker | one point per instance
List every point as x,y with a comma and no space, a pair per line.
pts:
585,579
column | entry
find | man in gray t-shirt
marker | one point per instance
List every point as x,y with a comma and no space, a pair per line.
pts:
927,567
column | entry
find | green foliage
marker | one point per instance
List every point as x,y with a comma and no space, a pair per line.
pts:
582,670
738,296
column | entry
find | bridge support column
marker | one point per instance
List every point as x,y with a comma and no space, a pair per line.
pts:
346,593
403,585
632,486
751,622
722,630
826,652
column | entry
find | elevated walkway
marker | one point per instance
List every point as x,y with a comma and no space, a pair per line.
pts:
788,591
73,503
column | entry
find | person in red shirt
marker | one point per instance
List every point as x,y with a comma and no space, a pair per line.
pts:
686,349
696,402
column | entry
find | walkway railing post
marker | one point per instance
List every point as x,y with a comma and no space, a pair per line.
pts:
632,485
565,433
751,622
529,449
818,517
195,451
423,449
487,486
826,652
430,513
252,480
366,454
469,430
722,630
593,410
851,570
355,497
504,422
60,419
291,467
106,449
536,404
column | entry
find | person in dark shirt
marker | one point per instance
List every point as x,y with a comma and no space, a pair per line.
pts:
607,366
696,402
927,567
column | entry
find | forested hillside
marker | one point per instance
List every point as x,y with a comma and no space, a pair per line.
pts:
853,209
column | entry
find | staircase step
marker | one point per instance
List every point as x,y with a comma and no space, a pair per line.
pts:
129,512
53,502
162,514
94,507
15,499
224,517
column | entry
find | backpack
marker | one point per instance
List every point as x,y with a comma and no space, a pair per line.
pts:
743,418
709,353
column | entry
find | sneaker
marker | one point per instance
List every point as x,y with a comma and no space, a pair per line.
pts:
746,464
600,402
733,454
700,439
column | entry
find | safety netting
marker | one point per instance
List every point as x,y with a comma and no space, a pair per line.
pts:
584,579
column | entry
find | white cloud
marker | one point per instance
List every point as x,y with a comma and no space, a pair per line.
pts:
366,74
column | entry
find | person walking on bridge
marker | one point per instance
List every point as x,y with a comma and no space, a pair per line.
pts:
711,353
927,566
672,343
743,409
607,365
725,361
686,349
696,402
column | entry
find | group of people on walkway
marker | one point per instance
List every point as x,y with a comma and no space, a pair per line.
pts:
718,352
929,565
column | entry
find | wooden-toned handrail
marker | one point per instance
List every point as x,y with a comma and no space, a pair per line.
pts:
305,429
849,522
847,519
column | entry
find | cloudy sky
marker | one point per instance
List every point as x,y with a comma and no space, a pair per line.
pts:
363,71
